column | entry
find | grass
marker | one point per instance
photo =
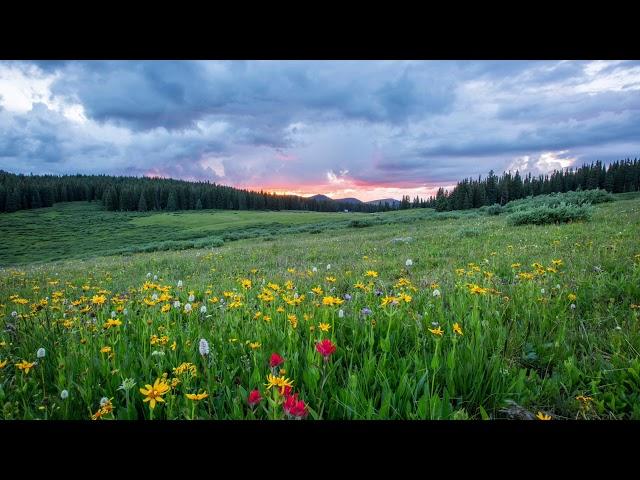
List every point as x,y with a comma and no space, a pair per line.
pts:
541,337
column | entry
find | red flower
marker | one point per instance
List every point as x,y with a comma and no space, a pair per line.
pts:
294,407
326,348
254,398
276,360
287,391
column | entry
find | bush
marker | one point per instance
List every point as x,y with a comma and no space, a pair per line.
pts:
544,214
495,209
468,232
360,223
579,198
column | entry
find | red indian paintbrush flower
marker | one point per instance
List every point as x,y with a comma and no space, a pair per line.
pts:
276,360
326,348
254,397
294,407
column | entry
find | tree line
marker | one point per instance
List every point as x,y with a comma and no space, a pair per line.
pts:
21,192
618,177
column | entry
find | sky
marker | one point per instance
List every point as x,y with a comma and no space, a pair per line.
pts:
365,129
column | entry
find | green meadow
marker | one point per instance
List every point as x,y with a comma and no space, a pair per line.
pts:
398,315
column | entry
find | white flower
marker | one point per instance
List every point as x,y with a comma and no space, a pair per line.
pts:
154,297
113,314
41,353
104,401
127,384
409,262
618,327
203,309
156,353
314,269
125,311
558,286
14,314
64,394
148,274
179,283
328,266
187,307
573,306
176,304
203,347
542,291
191,298
436,293
155,277
341,313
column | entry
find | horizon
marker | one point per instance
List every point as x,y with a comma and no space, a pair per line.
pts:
364,129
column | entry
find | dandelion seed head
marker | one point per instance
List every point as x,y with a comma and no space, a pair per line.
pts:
64,394
41,353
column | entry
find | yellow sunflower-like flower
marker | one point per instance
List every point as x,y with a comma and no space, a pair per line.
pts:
154,393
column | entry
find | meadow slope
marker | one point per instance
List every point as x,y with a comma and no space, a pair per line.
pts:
486,321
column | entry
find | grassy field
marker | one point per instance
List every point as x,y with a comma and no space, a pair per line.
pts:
488,320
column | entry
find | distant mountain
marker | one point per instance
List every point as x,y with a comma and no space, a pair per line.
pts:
348,200
391,201
321,198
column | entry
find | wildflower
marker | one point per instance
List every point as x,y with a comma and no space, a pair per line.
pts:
332,301
572,306
325,348
294,407
572,297
98,299
340,313
165,308
3,364
436,293
157,353
196,397
366,311
255,345
179,283
112,323
329,266
192,297
254,398
324,327
155,277
543,416
25,366
127,384
176,304
154,393
280,382
371,273
203,347
64,394
457,328
246,284
409,262
437,331
203,309
104,401
105,350
317,290
275,360
41,353
149,275
293,320
14,314
347,297
187,308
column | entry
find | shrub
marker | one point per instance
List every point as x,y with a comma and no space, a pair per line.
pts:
579,198
544,214
360,223
495,209
468,232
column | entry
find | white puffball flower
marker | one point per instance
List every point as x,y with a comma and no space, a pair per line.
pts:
113,314
573,306
179,283
542,291
148,274
436,293
191,298
203,309
187,307
176,304
14,314
125,311
341,313
203,347
64,394
104,401
314,269
409,262
41,353
157,353
154,297
155,277
328,266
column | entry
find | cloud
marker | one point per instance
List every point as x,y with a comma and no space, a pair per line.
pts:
317,126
